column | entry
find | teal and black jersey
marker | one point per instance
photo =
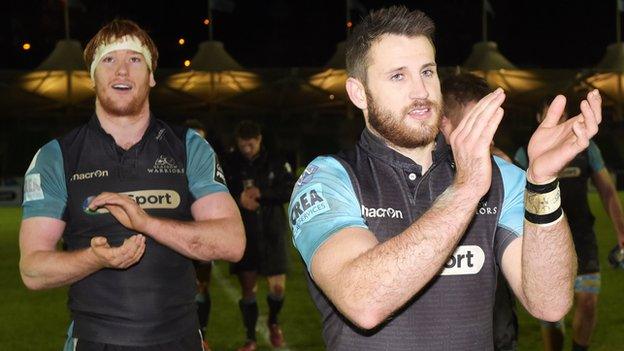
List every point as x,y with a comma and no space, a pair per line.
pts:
375,187
165,172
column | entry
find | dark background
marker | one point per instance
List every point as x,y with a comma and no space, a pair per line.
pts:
296,33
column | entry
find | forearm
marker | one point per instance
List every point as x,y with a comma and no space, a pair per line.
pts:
548,269
205,240
51,269
382,279
614,209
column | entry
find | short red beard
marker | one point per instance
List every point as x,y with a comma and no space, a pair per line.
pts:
392,128
133,107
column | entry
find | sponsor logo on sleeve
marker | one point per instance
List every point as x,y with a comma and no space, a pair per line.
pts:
147,199
466,260
307,175
309,203
219,176
165,164
32,187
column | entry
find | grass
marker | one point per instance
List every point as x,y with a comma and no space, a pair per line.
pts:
38,320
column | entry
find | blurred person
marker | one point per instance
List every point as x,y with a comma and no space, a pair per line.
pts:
461,93
261,183
403,235
587,165
203,269
135,200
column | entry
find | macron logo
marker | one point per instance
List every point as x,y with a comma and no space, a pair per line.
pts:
381,212
88,175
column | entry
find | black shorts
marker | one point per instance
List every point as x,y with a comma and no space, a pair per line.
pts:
586,251
191,342
265,254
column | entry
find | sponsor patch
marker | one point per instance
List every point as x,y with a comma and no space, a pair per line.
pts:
371,212
310,202
467,259
32,187
147,199
219,176
307,175
570,172
88,175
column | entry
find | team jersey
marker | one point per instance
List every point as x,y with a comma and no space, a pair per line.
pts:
152,301
376,188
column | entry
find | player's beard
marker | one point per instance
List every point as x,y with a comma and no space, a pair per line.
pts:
131,108
395,130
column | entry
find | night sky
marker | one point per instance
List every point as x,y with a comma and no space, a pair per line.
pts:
288,33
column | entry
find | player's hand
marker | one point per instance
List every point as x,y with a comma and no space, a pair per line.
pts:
124,209
248,202
554,145
124,256
471,142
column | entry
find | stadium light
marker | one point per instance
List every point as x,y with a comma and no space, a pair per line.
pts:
181,41
26,46
187,63
206,21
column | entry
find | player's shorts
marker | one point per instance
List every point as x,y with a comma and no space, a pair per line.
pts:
203,270
191,342
586,251
265,254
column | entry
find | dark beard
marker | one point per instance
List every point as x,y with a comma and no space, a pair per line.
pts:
132,108
392,129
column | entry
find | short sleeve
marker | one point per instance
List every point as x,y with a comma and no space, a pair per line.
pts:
596,162
511,220
45,190
322,203
203,170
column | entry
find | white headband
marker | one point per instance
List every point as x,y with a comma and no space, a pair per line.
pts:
127,42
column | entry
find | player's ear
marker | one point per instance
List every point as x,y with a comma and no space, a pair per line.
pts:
357,93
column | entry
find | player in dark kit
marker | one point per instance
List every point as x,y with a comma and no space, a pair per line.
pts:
403,235
461,93
574,181
261,182
135,200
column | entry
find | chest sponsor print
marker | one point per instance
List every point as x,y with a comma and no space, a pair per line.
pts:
147,199
466,260
310,203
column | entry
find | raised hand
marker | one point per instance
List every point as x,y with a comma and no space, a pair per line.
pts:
124,209
471,142
124,256
554,145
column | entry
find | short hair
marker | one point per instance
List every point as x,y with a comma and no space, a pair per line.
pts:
392,20
460,89
117,29
194,124
247,129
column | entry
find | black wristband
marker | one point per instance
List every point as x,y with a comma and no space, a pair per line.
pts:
542,188
543,219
